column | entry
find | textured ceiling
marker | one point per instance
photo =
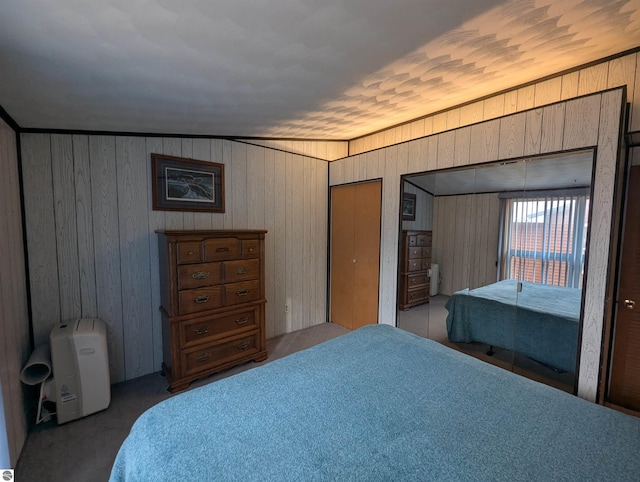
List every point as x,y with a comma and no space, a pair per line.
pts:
332,69
543,173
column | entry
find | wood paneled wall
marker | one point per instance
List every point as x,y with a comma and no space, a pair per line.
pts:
606,75
14,318
583,122
93,251
424,209
327,150
465,240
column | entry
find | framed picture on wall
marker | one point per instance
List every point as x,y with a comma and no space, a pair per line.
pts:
408,207
181,184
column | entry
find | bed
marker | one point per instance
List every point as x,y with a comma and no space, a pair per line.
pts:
544,327
379,404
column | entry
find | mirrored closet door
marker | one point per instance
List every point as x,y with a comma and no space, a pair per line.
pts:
507,261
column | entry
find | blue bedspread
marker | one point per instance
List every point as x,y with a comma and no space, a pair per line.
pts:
379,404
541,321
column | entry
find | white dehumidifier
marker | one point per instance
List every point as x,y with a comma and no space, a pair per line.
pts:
80,368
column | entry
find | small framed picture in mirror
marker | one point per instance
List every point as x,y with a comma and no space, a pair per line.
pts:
408,207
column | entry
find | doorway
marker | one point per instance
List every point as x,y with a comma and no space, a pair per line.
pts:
355,253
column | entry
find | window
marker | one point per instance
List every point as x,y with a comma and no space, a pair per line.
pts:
544,237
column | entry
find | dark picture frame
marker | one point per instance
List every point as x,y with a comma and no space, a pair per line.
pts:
181,184
408,207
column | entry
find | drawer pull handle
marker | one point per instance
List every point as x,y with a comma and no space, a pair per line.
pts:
222,250
201,331
201,299
251,250
242,321
243,346
242,292
242,271
202,357
200,275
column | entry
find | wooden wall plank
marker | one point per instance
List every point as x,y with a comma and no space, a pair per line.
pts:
133,220
217,155
570,85
417,129
512,136
581,122
106,238
548,92
156,221
389,241
593,79
526,97
472,113
494,107
439,122
201,150
84,226
295,233
270,208
462,147
172,146
280,239
485,140
510,102
446,146
238,185
453,119
229,166
41,234
533,132
552,128
65,221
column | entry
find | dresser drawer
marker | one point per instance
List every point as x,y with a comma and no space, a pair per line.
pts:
420,294
413,264
220,249
241,270
417,280
412,240
414,252
424,240
198,275
195,332
198,359
242,292
251,248
199,299
426,263
426,252
189,252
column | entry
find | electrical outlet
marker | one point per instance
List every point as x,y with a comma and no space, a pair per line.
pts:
286,308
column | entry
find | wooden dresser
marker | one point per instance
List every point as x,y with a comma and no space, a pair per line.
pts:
415,263
212,295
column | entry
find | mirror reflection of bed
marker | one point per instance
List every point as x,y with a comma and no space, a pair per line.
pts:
508,253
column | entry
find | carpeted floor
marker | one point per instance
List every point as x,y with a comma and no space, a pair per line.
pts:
84,450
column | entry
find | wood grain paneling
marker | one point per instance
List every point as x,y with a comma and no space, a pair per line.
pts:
41,238
14,321
464,244
65,225
84,226
93,216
